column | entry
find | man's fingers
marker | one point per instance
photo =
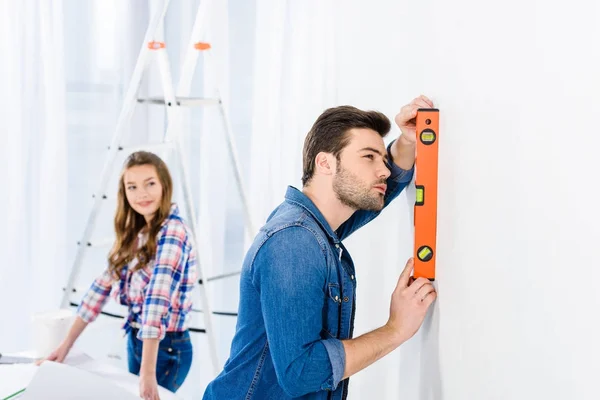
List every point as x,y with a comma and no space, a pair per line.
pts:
424,100
422,104
429,298
418,283
427,100
424,290
405,275
407,113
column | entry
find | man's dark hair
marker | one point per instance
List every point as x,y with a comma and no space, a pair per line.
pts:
329,133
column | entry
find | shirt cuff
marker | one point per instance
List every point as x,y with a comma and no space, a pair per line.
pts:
398,174
337,357
151,332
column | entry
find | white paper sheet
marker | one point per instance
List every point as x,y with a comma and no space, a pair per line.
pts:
79,377
113,374
61,381
14,377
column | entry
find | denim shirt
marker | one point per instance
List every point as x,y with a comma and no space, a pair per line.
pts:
297,302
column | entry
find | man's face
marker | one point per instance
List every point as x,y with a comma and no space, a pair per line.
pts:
361,173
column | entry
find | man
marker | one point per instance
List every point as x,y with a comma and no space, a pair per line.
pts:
297,290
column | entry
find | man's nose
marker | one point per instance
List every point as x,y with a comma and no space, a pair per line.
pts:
384,171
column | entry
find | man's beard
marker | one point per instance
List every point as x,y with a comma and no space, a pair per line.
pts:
351,192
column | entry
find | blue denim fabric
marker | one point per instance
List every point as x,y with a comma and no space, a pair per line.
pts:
297,302
173,362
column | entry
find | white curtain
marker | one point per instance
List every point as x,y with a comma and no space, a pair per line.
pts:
33,165
294,67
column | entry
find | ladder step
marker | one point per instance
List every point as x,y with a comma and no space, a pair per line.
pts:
182,101
147,146
224,313
217,277
106,197
99,242
108,314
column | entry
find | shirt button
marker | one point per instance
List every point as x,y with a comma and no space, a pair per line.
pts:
336,298
352,277
346,299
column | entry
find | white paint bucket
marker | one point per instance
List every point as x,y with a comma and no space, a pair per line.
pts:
50,329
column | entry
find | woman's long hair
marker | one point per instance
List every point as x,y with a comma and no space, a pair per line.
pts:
129,223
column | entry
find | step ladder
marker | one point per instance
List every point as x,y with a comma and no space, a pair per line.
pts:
173,101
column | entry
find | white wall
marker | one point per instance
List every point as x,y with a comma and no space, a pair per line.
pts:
518,89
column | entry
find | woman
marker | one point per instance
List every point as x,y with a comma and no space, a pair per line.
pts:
151,270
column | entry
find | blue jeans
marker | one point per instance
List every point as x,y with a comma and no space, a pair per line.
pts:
173,362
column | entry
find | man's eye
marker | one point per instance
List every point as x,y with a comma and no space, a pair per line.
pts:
130,187
370,156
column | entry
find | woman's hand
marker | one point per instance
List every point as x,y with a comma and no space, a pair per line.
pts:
57,355
148,387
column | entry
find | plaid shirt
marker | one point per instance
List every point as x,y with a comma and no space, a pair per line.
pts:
159,295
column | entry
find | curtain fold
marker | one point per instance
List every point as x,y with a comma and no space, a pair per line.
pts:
33,152
294,82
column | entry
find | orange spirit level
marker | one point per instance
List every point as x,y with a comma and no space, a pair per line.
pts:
427,126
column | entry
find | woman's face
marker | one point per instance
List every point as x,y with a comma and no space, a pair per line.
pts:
143,189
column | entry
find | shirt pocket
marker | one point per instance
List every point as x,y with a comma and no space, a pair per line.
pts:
333,304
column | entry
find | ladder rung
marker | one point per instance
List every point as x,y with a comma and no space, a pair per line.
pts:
108,314
148,146
181,101
217,277
106,197
99,242
224,313
75,290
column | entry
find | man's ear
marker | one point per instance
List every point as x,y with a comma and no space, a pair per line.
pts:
325,163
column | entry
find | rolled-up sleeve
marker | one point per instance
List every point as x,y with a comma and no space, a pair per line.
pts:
398,175
166,276
289,272
94,299
337,356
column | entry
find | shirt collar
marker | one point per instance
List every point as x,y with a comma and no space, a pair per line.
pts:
298,198
173,214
